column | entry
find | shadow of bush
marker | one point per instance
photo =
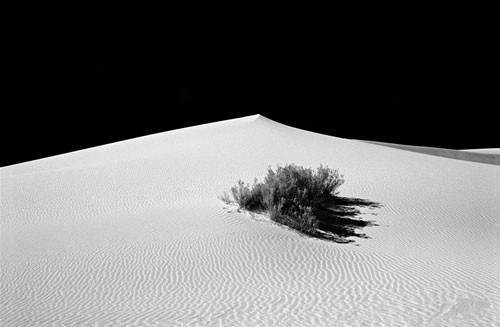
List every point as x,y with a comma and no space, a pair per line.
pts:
340,218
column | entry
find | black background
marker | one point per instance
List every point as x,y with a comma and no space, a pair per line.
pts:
104,73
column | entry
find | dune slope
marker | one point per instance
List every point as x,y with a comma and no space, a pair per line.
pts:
488,156
488,151
133,234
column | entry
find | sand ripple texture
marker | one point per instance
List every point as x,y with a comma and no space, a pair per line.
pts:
132,234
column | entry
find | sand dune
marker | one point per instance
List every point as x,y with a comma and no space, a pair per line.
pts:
491,151
488,156
133,234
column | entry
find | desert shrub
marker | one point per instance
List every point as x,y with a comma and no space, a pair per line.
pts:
301,219
249,198
291,195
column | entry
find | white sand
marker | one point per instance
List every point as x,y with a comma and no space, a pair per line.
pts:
133,234
490,151
489,156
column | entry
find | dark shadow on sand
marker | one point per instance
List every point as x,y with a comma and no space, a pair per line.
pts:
340,218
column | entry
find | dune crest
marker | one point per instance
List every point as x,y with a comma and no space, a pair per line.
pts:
133,234
487,156
491,151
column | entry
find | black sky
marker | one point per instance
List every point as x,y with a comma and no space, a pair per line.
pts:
102,74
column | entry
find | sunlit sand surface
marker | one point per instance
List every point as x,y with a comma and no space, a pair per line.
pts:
133,234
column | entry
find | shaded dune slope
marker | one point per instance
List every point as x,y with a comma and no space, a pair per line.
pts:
490,151
487,156
133,234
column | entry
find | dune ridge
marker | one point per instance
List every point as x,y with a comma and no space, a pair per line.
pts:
132,234
491,150
487,156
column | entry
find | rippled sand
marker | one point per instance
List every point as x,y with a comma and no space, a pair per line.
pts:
133,234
